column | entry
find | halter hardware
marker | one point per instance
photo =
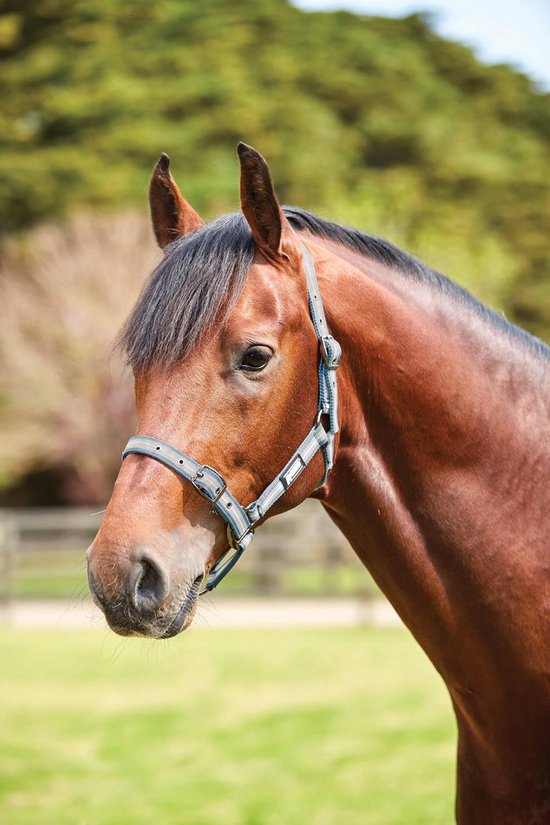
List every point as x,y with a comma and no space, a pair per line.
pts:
203,490
331,351
212,486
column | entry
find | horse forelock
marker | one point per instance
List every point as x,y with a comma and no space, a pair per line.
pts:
197,283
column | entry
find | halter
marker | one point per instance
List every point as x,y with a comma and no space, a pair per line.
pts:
211,485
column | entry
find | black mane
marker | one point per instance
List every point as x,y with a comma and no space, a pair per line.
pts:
202,275
386,253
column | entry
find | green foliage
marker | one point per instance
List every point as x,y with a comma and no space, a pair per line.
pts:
302,727
373,121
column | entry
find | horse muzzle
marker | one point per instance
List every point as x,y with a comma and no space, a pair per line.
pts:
145,592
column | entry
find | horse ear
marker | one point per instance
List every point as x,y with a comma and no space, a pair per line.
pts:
270,229
171,215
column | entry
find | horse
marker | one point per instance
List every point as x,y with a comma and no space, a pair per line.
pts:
431,454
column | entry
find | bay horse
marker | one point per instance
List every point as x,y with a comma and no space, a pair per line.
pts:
436,466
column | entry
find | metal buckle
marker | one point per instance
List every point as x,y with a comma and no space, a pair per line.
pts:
233,540
331,351
203,491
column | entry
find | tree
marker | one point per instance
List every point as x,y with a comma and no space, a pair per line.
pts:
371,121
67,400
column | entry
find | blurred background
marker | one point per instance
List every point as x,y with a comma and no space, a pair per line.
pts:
427,123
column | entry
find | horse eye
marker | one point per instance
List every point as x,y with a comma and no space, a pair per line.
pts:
255,359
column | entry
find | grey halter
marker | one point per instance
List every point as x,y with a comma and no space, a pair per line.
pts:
210,484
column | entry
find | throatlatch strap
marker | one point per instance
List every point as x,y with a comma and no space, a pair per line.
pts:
210,484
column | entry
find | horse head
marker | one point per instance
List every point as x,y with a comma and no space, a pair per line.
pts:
225,359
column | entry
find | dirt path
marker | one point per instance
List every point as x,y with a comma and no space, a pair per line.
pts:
215,613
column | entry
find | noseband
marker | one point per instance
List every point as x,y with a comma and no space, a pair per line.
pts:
210,484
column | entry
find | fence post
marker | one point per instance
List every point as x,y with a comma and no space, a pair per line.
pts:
8,546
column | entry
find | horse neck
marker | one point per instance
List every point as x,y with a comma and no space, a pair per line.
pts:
441,467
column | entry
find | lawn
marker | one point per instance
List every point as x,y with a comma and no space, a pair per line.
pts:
230,727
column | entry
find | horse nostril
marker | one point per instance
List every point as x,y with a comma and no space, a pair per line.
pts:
148,586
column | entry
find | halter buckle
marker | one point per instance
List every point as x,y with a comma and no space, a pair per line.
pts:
331,351
235,541
215,489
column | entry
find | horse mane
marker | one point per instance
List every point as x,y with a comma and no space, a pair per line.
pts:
387,253
202,275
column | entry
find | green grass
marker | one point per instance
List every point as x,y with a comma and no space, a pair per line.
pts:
49,585
44,574
292,727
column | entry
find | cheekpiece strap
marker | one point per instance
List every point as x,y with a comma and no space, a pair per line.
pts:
330,354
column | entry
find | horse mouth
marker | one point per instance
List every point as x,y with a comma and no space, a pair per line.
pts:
160,626
186,612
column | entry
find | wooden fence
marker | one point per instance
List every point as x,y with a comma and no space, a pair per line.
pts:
300,553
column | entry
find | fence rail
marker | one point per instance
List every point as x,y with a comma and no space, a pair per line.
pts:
300,553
